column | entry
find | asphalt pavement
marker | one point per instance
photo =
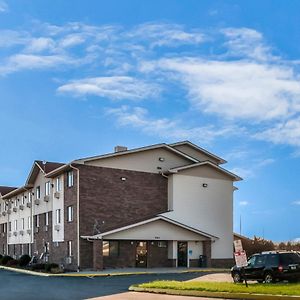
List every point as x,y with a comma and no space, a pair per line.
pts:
15,286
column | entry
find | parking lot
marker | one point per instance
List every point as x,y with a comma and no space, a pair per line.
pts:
27,287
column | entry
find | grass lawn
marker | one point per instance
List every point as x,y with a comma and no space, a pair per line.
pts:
270,289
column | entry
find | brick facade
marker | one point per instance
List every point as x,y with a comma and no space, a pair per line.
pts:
108,202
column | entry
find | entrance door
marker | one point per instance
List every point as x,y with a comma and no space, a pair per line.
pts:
141,255
182,248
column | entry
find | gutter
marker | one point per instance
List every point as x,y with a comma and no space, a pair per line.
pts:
77,213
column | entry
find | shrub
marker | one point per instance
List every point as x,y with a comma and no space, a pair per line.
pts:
6,259
38,267
57,270
24,260
12,263
50,266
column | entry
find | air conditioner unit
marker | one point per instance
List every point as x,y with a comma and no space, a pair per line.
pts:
9,234
15,233
21,232
3,234
9,212
15,209
9,205
46,198
36,201
21,207
57,195
29,231
28,204
36,229
4,213
57,227
68,260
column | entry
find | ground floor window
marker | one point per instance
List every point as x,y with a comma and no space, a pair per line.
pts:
110,248
70,250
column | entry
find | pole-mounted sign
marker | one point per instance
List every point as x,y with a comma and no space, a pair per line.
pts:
240,257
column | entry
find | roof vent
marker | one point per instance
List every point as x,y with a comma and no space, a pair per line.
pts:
120,148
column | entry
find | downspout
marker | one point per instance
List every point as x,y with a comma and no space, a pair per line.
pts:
77,213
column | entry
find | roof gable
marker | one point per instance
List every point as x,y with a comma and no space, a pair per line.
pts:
197,152
208,164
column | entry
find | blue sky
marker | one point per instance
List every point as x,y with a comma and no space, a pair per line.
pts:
79,77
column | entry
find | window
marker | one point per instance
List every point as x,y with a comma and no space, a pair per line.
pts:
46,218
4,227
47,188
22,223
70,213
29,196
9,226
38,192
23,200
58,219
16,202
260,261
3,249
70,181
37,221
29,223
70,252
15,225
58,184
110,248
22,249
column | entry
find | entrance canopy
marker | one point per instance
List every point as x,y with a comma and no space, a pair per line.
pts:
157,228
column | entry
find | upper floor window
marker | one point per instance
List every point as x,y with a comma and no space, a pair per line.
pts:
70,180
58,219
16,225
37,221
38,192
47,188
70,213
29,196
16,202
58,184
29,223
9,226
23,200
22,223
46,218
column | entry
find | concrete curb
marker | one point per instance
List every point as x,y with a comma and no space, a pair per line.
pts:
25,271
224,295
107,274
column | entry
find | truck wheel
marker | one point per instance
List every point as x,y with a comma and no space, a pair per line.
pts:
269,278
237,278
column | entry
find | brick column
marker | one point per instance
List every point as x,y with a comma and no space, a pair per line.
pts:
97,255
207,252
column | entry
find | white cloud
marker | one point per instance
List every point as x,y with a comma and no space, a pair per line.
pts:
36,45
235,89
243,203
287,132
9,38
163,34
138,117
3,6
29,61
114,87
247,42
296,202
